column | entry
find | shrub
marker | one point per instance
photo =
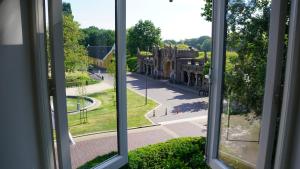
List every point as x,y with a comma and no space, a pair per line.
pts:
132,63
183,153
78,78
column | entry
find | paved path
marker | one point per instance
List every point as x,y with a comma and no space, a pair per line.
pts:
172,100
89,147
73,91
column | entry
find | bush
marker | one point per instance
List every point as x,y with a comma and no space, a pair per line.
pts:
132,63
78,78
183,153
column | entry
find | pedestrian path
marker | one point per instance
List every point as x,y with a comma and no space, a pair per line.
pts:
89,147
94,88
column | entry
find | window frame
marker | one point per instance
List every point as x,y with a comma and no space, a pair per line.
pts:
272,84
290,93
57,60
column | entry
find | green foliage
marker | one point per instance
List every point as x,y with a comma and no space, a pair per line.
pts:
170,42
145,53
185,153
67,8
97,161
207,10
180,153
182,46
98,37
75,54
143,36
196,42
77,78
132,63
206,45
247,35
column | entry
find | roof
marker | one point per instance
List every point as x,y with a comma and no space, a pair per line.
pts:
98,51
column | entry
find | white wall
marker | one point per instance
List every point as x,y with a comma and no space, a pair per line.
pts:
19,133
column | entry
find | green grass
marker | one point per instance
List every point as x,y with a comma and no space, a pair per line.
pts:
104,118
72,103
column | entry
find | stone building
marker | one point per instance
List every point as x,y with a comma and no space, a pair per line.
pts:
176,65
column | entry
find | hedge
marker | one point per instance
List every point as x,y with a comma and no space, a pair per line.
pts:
183,153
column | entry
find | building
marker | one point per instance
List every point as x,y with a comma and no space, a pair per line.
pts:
100,56
177,65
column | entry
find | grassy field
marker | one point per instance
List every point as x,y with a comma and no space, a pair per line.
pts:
104,117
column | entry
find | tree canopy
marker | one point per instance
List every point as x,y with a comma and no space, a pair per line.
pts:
247,35
196,43
75,54
98,37
143,35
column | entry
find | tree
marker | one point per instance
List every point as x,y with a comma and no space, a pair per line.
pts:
195,42
75,54
206,45
98,37
67,8
143,35
247,35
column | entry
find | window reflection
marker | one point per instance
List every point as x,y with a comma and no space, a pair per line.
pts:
244,76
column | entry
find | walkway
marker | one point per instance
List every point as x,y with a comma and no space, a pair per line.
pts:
89,147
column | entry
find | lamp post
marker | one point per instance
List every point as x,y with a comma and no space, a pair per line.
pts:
146,94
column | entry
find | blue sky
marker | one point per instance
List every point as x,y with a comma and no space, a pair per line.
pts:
178,20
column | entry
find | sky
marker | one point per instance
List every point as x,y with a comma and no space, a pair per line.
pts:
178,20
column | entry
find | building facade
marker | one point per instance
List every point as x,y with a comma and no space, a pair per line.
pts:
176,65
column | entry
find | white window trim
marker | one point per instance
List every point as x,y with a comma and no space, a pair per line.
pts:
291,90
270,108
61,121
41,84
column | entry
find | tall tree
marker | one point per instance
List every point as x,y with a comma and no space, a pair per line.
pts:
98,37
143,35
75,54
247,35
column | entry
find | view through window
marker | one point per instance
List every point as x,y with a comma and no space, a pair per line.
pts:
168,62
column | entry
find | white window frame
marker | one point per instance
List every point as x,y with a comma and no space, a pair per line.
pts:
291,91
272,84
61,121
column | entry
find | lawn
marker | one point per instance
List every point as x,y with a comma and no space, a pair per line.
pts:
104,117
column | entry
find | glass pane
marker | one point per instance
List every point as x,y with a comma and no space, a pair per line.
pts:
89,37
244,77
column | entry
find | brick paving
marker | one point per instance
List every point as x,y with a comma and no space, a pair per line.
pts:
89,147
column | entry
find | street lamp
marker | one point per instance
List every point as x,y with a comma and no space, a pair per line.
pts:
146,94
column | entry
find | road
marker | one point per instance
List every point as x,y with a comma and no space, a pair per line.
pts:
178,103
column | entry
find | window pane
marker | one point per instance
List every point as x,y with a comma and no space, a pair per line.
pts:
89,53
244,76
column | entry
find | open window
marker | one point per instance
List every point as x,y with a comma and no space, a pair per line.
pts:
246,85
58,92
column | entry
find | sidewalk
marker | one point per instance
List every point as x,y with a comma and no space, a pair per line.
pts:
89,147
98,87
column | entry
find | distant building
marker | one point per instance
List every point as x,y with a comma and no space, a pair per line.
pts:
179,66
101,56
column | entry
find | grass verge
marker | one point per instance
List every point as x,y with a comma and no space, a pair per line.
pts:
104,118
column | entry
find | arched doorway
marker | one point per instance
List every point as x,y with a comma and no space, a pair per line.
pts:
167,69
149,70
185,77
192,79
